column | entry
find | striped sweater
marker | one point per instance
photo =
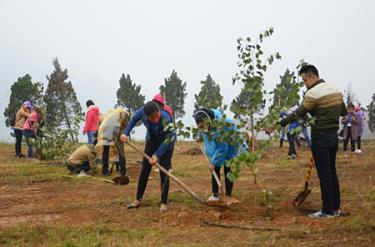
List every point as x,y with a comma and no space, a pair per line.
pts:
324,102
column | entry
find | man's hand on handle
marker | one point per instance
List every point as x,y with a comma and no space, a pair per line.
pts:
124,138
154,159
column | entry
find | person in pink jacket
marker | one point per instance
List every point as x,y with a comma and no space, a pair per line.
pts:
30,129
92,121
159,99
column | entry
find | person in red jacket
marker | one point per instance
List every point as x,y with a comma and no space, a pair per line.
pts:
92,121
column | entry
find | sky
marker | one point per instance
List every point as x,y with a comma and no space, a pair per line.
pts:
97,41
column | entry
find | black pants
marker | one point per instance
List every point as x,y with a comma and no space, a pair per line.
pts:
292,148
324,149
18,134
105,155
85,166
352,142
359,142
165,161
228,183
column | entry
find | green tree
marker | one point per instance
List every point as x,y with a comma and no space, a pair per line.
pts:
174,91
62,107
253,65
286,94
128,95
371,114
209,96
21,90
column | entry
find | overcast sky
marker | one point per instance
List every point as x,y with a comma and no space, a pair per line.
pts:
99,40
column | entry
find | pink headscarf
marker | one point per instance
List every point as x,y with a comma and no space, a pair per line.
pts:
159,98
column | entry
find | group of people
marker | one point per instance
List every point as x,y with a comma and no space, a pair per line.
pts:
111,131
108,133
353,124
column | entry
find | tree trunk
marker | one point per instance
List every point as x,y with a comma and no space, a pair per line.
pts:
252,132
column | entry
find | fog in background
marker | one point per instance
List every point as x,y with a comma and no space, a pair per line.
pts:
97,41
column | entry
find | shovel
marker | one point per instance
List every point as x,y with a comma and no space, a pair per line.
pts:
224,200
121,180
301,197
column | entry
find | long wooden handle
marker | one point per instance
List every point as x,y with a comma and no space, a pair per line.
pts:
213,172
162,169
308,172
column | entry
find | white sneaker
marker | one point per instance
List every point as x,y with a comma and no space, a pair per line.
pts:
213,198
358,151
321,215
82,174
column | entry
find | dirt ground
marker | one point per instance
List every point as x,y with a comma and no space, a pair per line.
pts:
41,205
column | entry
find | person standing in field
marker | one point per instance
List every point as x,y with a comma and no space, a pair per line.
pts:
324,102
159,146
92,121
350,128
19,121
360,118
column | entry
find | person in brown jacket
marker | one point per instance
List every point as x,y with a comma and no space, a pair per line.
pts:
350,128
82,159
20,119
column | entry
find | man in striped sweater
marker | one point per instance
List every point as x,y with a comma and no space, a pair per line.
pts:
324,102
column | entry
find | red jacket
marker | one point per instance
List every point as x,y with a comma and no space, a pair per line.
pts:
92,119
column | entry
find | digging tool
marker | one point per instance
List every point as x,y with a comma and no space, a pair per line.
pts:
162,169
301,197
121,180
223,200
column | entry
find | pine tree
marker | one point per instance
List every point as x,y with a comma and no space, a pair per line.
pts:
174,91
62,107
371,114
21,90
286,94
128,95
209,96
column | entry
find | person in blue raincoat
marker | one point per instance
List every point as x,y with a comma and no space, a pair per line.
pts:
218,151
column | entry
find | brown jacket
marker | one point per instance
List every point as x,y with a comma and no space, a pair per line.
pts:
111,127
85,153
21,117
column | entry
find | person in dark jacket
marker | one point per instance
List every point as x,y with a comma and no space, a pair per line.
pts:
159,146
324,102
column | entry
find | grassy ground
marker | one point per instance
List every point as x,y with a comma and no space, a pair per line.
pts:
41,205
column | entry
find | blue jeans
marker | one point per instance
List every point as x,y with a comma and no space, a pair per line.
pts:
29,134
324,148
306,135
91,137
